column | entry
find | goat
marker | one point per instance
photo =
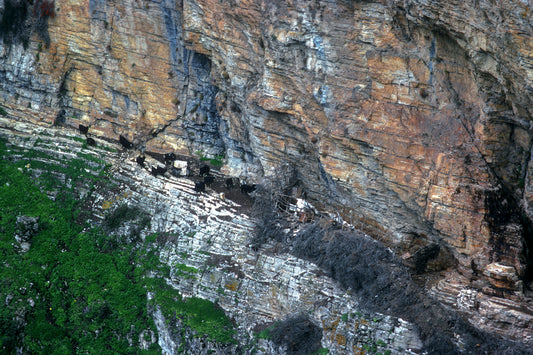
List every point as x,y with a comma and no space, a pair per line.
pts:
169,158
159,170
125,143
199,186
140,160
209,179
229,183
91,142
246,189
204,170
83,129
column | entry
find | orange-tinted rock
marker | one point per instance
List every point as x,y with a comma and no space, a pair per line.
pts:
411,119
502,276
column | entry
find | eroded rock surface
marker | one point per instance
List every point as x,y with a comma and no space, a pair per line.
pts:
410,119
206,242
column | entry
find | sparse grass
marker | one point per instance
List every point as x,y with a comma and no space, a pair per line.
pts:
184,271
217,160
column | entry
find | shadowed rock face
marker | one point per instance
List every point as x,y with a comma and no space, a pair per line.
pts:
411,119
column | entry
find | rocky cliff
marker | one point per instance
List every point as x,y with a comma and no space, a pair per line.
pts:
411,120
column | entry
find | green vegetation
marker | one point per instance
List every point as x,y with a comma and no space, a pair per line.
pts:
3,112
186,272
372,347
78,288
125,213
265,333
217,160
380,342
71,291
110,113
201,315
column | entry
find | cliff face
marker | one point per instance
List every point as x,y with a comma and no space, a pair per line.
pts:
411,120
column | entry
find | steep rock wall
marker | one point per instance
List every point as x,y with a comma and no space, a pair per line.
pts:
410,119
204,240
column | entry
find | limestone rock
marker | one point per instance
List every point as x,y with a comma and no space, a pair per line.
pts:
411,120
27,228
502,276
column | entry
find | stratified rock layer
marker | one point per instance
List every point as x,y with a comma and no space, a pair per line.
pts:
205,241
410,119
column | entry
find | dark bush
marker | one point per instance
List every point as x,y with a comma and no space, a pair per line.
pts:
60,118
270,202
269,223
382,284
378,279
124,214
359,263
422,256
13,22
15,26
299,334
43,10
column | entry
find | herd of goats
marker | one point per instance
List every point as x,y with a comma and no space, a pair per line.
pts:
169,159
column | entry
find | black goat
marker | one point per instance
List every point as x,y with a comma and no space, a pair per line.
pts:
246,189
209,179
140,160
83,129
91,142
229,183
159,170
169,158
199,186
125,143
204,170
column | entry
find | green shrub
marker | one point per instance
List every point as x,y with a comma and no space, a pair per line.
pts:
187,272
120,215
200,315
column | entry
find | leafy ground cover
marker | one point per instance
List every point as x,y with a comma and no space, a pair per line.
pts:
76,289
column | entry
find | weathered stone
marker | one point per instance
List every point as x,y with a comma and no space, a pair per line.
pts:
27,228
212,236
502,276
405,118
